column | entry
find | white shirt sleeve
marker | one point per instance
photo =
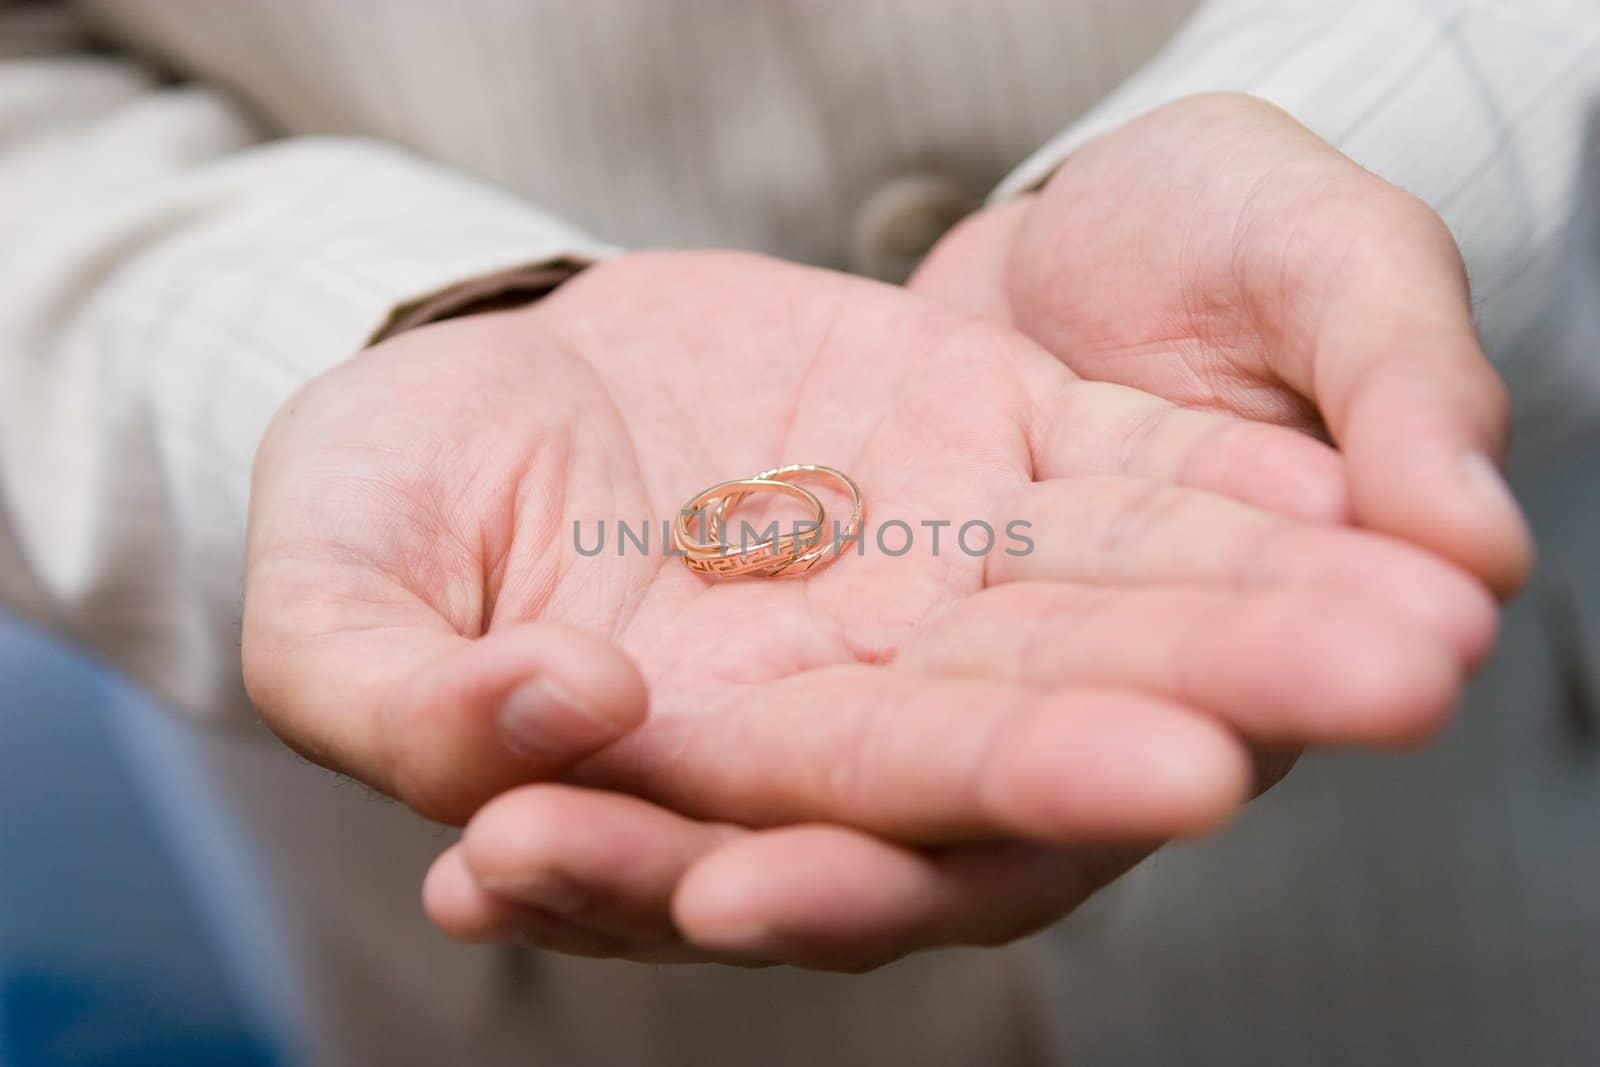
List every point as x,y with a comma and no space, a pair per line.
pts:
167,278
1483,108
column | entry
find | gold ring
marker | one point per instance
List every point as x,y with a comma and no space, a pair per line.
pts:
787,553
824,549
714,556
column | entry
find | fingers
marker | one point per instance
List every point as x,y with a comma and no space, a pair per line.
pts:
605,860
596,874
1107,530
516,705
1088,428
1271,275
441,721
571,870
834,898
463,909
942,759
1395,367
1282,665
1422,435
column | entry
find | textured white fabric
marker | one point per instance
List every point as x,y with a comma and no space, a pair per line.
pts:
178,255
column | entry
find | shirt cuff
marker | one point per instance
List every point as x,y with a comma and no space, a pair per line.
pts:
400,246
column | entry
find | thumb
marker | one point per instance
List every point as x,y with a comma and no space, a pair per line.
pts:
1411,400
441,721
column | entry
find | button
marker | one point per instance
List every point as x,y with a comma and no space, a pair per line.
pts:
902,221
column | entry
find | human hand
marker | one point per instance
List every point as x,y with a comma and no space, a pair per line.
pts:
1216,253
892,752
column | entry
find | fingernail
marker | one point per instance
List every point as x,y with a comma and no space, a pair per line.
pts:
534,715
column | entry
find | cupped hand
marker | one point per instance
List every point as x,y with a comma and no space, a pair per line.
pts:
1216,253
898,750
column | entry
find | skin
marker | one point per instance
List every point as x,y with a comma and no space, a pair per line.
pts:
890,754
1218,254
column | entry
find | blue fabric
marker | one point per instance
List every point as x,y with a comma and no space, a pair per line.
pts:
109,951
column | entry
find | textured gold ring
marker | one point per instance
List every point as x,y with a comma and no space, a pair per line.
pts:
827,545
795,552
714,556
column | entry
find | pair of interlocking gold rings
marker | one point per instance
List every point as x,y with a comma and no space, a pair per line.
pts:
796,552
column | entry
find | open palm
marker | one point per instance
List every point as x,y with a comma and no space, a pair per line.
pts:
1218,254
896,750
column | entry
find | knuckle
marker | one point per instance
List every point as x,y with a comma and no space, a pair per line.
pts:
1495,406
429,788
1395,228
441,802
1416,215
1226,105
424,776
